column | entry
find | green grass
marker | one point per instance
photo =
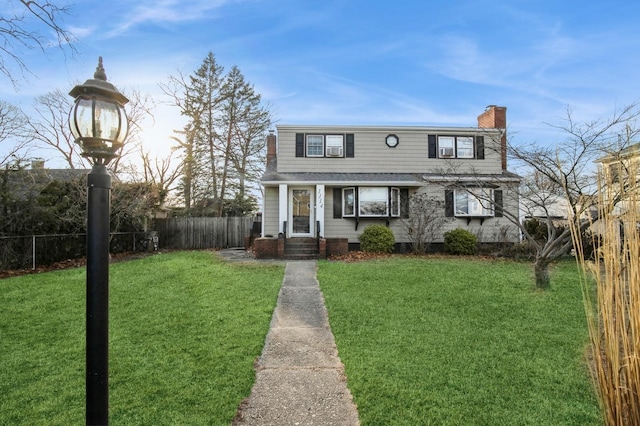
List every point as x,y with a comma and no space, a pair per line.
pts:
185,329
451,341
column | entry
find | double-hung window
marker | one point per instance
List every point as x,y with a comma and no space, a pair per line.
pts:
371,201
334,145
315,146
464,147
322,145
455,146
476,202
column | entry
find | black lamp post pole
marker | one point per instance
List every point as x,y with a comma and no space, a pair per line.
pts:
99,125
97,351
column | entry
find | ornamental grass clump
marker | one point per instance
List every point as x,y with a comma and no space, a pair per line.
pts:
461,242
611,291
377,239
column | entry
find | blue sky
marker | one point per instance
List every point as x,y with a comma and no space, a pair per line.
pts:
365,62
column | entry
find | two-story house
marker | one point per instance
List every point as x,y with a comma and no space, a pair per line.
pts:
619,184
325,184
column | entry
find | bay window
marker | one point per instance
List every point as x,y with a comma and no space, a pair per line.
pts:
371,201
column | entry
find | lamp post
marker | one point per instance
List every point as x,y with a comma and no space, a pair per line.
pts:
99,125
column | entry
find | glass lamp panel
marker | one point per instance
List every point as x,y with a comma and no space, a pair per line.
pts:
107,124
82,119
124,125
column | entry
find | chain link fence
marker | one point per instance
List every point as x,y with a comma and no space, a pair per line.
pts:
29,252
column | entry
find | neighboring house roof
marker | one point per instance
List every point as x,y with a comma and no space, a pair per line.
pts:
32,181
628,152
554,207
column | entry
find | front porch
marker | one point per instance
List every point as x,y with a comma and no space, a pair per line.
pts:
299,248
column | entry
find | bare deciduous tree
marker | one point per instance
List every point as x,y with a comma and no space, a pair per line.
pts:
27,25
13,139
562,177
424,222
161,173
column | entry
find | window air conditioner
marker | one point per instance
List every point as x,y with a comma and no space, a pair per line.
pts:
334,151
446,152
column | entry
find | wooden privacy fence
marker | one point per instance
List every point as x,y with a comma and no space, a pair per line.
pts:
189,233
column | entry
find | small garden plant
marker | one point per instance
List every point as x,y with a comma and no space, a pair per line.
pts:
460,241
377,239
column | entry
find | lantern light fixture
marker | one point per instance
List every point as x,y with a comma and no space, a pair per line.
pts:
97,119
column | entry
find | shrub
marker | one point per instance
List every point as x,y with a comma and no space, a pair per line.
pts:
377,239
460,241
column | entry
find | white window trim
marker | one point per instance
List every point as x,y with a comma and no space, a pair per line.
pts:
306,146
353,201
449,144
446,147
394,194
459,148
334,146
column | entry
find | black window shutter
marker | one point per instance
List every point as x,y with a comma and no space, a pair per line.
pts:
350,145
448,203
299,144
497,203
337,203
480,147
404,203
432,146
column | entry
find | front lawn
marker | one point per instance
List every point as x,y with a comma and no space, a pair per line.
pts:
185,329
452,341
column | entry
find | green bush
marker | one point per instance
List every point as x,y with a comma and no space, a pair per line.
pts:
460,241
377,239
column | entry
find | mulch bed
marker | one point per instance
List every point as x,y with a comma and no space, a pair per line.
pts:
71,263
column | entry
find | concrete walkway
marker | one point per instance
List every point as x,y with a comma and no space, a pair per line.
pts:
299,377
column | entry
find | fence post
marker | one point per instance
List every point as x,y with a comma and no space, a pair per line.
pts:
33,253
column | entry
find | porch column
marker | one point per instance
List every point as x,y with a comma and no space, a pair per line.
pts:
320,208
283,195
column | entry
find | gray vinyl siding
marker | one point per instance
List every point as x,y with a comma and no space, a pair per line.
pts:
271,211
492,229
346,228
372,155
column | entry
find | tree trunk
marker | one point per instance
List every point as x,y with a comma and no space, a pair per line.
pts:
541,270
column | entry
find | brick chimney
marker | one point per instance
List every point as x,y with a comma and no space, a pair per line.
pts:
37,164
272,152
495,117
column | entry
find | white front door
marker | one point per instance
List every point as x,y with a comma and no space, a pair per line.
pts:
301,212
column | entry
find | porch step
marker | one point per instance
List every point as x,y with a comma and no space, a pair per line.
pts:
301,248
